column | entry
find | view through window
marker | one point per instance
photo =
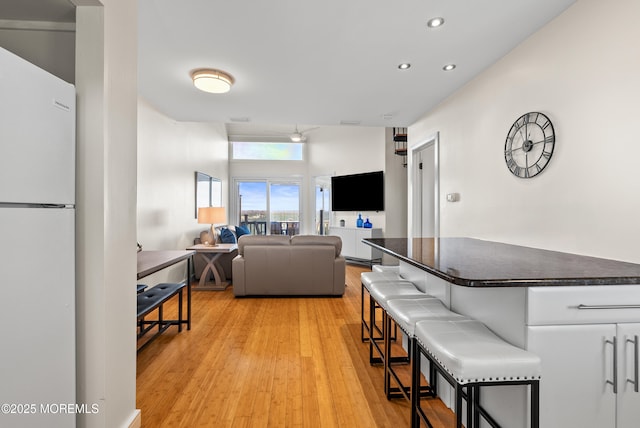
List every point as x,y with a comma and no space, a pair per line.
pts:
270,207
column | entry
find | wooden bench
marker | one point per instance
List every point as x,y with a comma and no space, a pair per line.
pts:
154,298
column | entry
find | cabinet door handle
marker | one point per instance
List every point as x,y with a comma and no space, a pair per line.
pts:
581,306
634,381
614,382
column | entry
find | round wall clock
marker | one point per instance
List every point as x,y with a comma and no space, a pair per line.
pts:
529,145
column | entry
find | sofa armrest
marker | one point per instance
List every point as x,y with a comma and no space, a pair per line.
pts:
239,283
339,272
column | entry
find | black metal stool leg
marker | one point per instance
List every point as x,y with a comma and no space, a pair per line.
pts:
535,404
458,408
415,386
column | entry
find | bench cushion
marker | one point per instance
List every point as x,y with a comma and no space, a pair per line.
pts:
152,298
470,352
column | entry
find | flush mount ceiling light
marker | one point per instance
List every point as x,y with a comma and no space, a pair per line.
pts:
435,22
449,67
212,80
404,66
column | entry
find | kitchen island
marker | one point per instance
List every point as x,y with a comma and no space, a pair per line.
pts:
580,314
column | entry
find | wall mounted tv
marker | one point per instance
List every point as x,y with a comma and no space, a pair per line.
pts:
358,192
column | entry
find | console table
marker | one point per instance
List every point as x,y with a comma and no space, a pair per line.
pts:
210,254
153,261
580,314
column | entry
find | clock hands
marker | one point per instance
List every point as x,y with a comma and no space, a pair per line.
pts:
522,147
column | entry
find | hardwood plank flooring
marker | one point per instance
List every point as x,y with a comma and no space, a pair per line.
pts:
269,362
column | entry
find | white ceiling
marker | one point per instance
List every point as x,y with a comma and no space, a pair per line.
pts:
314,62
323,62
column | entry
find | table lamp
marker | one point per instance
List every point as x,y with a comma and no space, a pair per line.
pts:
212,216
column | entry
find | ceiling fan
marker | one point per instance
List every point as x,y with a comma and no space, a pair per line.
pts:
298,136
254,135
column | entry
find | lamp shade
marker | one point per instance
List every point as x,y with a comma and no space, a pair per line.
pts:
211,80
212,215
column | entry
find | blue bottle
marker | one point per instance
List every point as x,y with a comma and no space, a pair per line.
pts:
367,224
359,221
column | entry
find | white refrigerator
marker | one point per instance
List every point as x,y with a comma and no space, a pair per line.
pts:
37,247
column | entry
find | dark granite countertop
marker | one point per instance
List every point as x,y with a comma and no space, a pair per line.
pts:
476,263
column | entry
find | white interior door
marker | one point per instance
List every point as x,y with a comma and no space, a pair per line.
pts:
424,208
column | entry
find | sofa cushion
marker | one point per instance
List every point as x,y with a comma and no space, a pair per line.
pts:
318,240
246,240
241,231
227,236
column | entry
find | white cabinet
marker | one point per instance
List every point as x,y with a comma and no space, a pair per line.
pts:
587,340
628,390
576,364
573,330
352,246
585,381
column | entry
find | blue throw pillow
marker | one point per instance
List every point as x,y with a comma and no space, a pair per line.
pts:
242,230
227,236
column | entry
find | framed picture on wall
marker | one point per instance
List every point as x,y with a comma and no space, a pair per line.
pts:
208,191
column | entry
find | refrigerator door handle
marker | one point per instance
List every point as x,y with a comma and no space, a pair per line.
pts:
23,205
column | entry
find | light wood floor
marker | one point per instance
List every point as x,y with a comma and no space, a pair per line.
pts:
269,362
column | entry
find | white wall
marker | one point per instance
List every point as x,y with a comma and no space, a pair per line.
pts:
169,153
395,194
106,84
341,150
332,150
582,70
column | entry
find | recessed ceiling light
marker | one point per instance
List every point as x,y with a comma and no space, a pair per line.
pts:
404,66
449,67
435,22
211,80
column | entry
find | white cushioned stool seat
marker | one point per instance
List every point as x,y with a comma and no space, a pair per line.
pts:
470,352
366,278
383,291
379,293
407,312
383,268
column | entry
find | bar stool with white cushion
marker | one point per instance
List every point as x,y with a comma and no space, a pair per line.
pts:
470,356
380,292
405,313
366,278
386,268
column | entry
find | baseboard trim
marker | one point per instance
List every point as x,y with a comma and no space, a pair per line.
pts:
137,420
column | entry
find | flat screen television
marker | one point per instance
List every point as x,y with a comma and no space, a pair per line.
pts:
358,192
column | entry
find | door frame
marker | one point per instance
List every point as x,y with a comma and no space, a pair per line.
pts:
414,186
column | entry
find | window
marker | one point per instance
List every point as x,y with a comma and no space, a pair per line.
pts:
244,150
269,206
